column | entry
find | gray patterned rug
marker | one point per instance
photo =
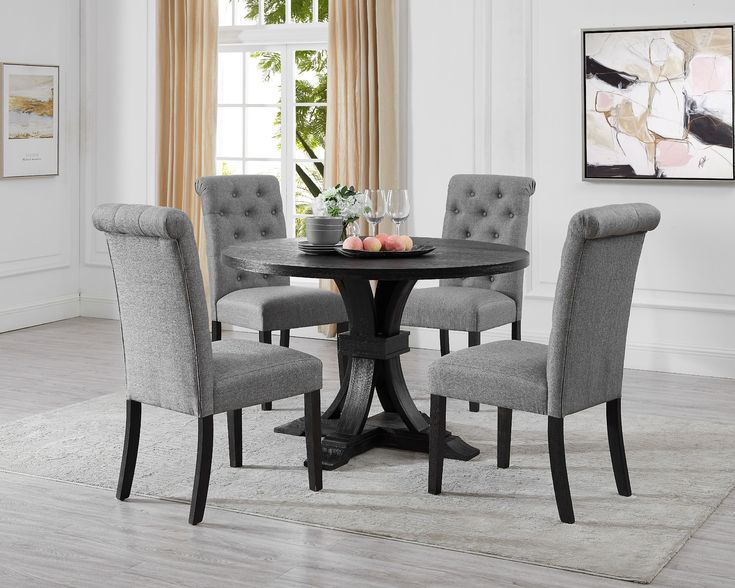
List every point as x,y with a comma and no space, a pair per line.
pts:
680,472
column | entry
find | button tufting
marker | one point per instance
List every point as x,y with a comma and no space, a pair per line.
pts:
468,234
221,213
236,235
258,193
239,277
265,276
234,194
511,215
456,211
495,235
247,213
274,212
492,278
472,194
263,233
484,213
500,195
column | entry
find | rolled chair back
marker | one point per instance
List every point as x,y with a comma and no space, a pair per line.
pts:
594,293
163,311
494,209
238,209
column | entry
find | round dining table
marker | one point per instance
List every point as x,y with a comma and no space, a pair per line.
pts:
370,350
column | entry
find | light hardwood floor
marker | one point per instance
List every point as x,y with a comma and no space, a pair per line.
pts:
58,534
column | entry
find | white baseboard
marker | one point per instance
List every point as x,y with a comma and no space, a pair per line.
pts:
679,359
38,313
104,308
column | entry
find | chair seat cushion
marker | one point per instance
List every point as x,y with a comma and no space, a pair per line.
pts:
458,308
247,373
510,374
272,308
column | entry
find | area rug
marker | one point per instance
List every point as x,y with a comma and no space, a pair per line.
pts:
680,472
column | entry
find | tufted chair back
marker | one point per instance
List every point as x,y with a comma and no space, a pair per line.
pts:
237,209
493,209
592,305
163,313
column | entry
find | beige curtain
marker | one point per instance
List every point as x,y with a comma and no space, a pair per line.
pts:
187,104
362,99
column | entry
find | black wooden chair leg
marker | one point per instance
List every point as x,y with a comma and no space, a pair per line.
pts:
444,342
204,467
515,331
473,340
559,470
285,339
313,433
505,420
617,448
437,432
216,331
234,437
266,337
130,449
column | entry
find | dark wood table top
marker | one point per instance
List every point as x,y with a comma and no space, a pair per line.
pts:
453,258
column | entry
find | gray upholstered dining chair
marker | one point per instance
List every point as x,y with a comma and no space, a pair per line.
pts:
241,208
583,364
488,208
170,361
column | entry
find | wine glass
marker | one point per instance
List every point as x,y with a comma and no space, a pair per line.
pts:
399,207
375,203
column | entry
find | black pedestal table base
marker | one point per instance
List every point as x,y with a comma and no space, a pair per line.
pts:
373,346
369,353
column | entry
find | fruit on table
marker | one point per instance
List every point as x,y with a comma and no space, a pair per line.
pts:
372,244
394,243
382,237
354,243
407,242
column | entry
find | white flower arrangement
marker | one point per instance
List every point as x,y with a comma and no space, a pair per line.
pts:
341,201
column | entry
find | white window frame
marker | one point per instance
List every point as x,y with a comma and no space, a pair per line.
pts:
287,39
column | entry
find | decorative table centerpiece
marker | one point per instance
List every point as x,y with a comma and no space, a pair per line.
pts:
340,202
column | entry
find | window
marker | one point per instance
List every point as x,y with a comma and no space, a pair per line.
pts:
272,96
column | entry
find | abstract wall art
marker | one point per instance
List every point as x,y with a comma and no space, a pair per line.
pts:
30,120
659,103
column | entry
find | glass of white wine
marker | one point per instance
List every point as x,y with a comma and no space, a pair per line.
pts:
399,207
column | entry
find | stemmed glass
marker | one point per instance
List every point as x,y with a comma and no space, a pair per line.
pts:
376,205
399,207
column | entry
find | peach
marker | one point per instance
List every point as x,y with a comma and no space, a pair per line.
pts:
372,244
394,243
382,237
407,242
354,243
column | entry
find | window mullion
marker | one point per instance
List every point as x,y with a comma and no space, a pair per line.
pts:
288,12
287,122
244,109
261,12
315,11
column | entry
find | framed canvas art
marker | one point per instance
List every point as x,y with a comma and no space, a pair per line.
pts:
658,103
30,120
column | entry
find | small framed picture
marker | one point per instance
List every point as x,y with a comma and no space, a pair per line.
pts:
658,103
29,95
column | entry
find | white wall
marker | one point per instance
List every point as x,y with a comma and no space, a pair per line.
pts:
509,101
53,264
118,130
39,267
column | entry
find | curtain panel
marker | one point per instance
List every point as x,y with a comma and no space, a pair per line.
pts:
187,105
363,147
